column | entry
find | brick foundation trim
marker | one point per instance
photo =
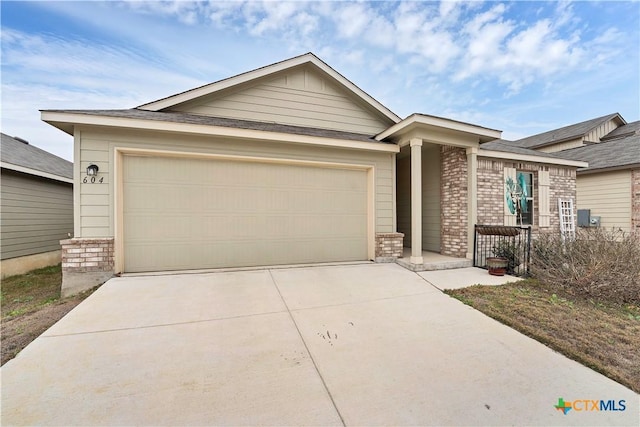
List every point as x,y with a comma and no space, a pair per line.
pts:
388,246
86,262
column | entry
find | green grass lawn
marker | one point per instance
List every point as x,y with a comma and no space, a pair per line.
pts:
602,336
30,304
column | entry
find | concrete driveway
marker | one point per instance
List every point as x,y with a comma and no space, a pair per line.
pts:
370,344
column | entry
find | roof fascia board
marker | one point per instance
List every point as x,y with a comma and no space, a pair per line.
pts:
266,71
531,158
438,122
35,172
156,125
608,169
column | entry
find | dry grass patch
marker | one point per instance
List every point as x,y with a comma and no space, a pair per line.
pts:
602,336
30,304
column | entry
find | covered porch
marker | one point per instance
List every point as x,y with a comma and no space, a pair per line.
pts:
436,189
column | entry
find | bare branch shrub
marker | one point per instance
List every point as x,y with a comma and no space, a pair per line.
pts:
599,263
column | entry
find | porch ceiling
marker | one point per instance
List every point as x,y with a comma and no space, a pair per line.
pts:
438,130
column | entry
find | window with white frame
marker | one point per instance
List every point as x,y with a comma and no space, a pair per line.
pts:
525,187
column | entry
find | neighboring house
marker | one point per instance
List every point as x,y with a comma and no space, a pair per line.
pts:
610,186
36,202
287,164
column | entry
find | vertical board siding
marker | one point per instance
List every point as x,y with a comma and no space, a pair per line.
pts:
36,214
431,203
403,198
97,200
574,143
608,195
301,97
431,211
600,131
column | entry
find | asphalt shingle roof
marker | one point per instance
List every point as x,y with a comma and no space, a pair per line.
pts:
568,132
610,154
168,116
623,131
20,154
510,147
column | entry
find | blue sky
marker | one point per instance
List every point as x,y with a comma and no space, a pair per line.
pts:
521,67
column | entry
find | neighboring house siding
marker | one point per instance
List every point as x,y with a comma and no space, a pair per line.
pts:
431,208
300,97
635,203
574,143
36,214
98,146
608,195
602,130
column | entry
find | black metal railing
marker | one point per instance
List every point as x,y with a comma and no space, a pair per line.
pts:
510,242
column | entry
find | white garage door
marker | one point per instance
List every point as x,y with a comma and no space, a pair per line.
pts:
184,213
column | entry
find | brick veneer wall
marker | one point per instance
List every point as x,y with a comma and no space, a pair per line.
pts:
86,262
388,246
635,201
453,192
562,184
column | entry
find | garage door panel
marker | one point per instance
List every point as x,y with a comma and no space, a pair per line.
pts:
191,214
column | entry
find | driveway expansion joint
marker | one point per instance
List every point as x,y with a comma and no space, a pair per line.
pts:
315,365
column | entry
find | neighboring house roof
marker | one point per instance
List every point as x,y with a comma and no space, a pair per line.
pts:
565,133
615,154
196,119
623,131
307,58
23,157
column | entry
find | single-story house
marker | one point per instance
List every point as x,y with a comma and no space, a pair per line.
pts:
610,186
36,200
286,164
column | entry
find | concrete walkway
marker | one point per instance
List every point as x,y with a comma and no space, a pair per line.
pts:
370,344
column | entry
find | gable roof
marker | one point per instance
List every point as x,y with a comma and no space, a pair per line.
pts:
509,147
623,131
307,58
576,130
615,154
22,157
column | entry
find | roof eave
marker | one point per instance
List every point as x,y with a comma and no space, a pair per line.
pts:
421,120
35,172
531,158
62,120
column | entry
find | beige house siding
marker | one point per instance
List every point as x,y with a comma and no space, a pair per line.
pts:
602,130
635,195
299,96
36,214
608,195
96,201
574,143
431,207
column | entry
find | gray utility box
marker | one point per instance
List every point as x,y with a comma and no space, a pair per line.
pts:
584,216
586,220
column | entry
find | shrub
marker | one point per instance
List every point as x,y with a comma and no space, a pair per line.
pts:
511,251
598,264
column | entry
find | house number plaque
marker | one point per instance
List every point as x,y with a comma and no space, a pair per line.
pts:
92,180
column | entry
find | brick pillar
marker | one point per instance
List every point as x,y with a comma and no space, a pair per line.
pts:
388,246
86,262
454,212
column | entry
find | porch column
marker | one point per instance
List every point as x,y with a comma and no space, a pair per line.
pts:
472,197
416,201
